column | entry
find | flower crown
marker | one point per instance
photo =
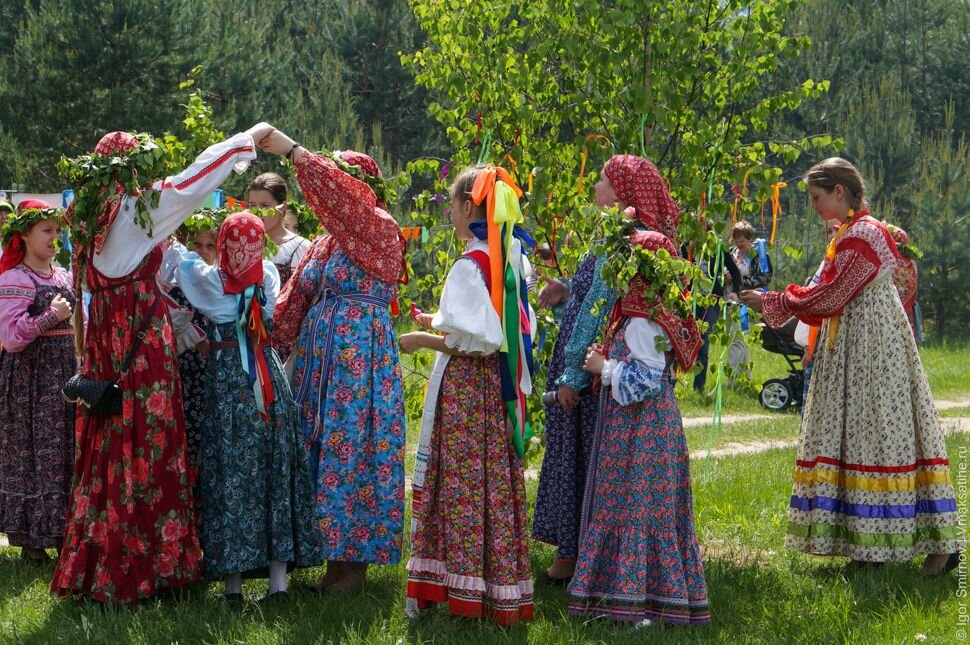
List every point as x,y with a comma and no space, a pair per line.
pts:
96,177
380,187
22,221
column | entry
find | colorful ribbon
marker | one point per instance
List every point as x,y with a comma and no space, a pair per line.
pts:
252,336
497,190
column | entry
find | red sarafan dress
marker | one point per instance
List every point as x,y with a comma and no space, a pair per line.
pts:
130,529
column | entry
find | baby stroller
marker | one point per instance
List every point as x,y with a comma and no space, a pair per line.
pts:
780,393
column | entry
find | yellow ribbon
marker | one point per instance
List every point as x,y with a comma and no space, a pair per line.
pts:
830,257
484,190
776,207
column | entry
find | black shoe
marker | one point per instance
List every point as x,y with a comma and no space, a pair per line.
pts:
233,597
952,563
277,596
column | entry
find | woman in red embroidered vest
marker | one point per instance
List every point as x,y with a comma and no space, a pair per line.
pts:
346,367
469,539
36,425
130,525
639,559
872,480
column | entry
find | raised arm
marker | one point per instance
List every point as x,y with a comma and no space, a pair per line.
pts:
347,208
128,243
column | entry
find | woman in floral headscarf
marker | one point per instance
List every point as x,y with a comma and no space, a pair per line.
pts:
571,419
638,554
255,490
130,529
347,371
906,280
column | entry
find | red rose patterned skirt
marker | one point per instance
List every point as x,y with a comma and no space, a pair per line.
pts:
130,528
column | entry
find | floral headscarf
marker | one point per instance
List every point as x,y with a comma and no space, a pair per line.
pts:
638,183
242,238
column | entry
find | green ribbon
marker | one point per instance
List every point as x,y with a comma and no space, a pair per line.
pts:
888,540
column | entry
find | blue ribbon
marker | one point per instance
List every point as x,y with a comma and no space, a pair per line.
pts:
479,229
762,247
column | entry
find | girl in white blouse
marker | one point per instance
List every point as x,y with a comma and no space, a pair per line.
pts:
468,535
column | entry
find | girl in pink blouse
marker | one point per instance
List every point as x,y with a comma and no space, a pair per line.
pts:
36,424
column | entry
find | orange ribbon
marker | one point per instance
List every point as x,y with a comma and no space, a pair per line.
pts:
582,166
776,207
484,190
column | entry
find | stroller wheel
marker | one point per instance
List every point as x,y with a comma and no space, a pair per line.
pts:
776,394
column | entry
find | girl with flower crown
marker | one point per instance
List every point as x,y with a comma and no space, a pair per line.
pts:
872,479
469,535
36,424
130,528
256,496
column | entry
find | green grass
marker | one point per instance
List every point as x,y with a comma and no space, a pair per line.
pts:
759,591
955,412
778,428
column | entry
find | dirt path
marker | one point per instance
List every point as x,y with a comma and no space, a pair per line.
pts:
950,426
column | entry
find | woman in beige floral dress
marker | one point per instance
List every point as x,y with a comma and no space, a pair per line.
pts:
872,479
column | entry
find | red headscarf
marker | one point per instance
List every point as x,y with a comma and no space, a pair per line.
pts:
113,143
637,182
682,331
242,239
362,161
16,249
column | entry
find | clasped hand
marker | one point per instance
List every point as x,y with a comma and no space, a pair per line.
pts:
268,139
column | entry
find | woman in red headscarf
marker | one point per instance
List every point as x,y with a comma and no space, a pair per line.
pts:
639,559
130,528
36,425
347,371
906,280
255,490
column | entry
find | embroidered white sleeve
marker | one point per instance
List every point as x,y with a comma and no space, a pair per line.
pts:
128,243
640,375
465,312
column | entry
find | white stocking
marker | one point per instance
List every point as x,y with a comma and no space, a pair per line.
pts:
277,576
234,583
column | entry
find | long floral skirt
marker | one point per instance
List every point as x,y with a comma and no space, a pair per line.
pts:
469,540
638,552
130,529
36,442
872,479
559,500
255,490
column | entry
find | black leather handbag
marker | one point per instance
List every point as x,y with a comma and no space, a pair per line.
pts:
103,398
